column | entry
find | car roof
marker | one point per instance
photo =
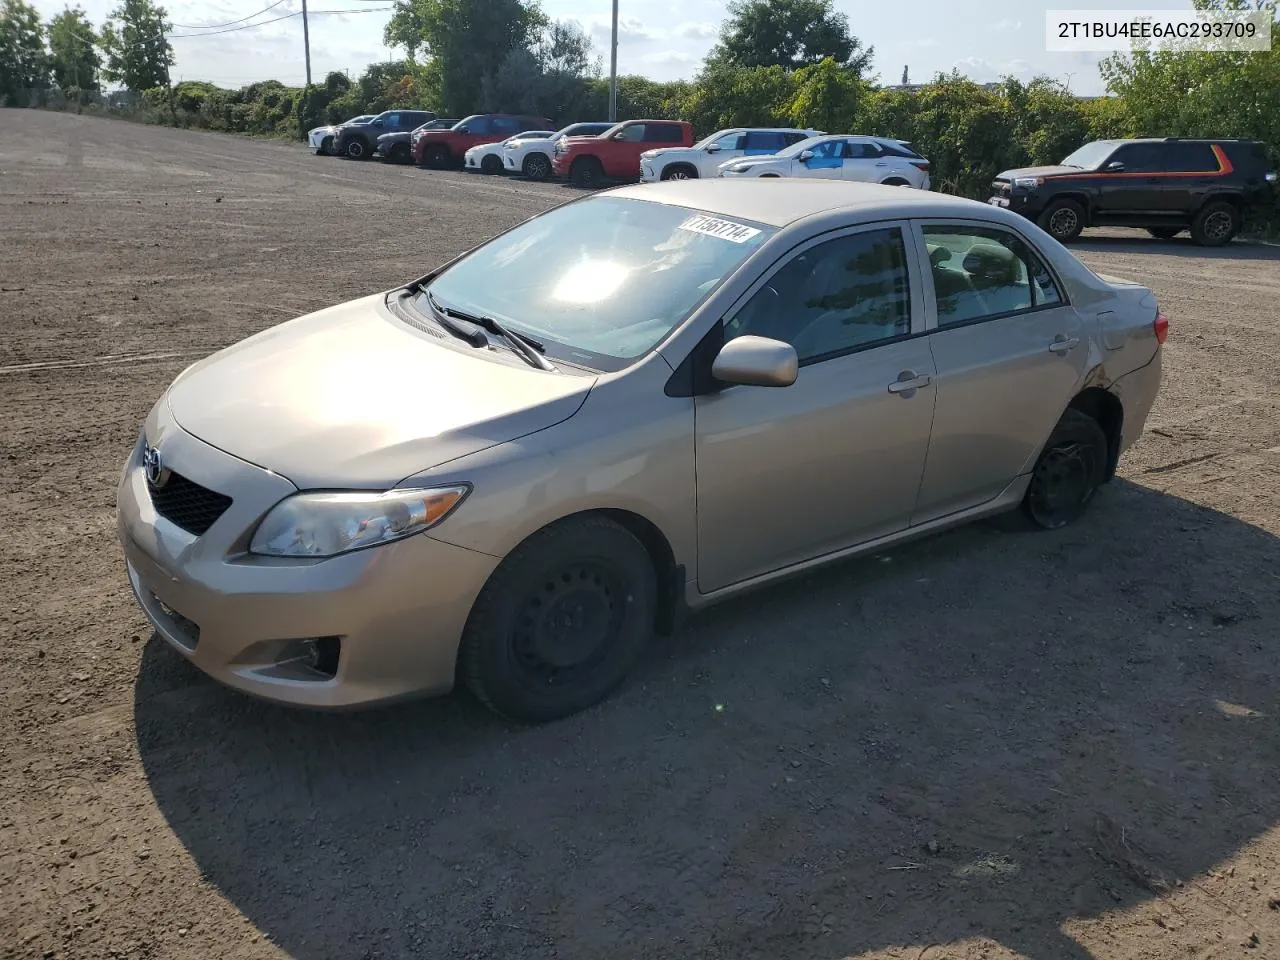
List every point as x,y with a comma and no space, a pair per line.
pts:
780,201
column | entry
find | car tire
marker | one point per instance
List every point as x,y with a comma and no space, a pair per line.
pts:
1215,224
679,171
355,149
1063,220
326,147
1164,233
399,153
436,156
586,172
491,165
1068,474
536,166
896,182
518,656
768,176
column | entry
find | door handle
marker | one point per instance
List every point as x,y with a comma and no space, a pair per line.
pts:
881,163
1063,345
909,383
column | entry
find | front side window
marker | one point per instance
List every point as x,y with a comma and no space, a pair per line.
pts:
1140,158
980,273
835,297
828,150
391,121
632,134
599,281
732,141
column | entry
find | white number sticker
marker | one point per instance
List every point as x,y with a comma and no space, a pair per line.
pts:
715,227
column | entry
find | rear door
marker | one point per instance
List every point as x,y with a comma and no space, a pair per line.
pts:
1010,353
860,161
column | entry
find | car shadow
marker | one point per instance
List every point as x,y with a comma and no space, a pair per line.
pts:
1181,246
980,734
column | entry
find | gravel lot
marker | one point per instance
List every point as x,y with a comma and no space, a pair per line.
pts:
981,746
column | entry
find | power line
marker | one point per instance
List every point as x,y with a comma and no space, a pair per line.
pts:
263,23
229,23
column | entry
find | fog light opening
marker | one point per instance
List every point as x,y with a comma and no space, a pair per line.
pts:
321,655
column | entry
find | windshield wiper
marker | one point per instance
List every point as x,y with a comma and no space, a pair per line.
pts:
525,347
473,337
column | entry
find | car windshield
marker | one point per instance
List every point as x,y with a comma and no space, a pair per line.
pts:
799,147
1091,155
461,122
599,281
363,118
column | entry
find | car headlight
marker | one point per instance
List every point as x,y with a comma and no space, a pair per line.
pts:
327,524
511,146
1028,183
738,168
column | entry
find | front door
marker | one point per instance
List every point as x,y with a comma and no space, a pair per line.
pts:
827,161
1010,353
1137,189
791,473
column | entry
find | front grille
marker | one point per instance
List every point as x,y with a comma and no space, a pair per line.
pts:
1001,188
186,504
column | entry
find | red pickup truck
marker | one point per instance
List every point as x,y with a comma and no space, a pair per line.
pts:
443,148
616,152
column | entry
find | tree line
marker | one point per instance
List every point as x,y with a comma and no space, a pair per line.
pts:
777,62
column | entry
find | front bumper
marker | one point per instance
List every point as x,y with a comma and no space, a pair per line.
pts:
397,610
316,138
647,173
1027,204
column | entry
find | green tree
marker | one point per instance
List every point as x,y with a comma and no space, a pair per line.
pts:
467,41
73,50
1048,122
725,96
827,98
790,34
138,50
24,65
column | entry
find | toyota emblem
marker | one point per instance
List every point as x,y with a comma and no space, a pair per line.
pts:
154,468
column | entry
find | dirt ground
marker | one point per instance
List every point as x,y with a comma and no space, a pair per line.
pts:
981,746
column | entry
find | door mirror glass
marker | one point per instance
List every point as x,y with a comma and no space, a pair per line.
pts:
377,123
757,362
806,156
1115,166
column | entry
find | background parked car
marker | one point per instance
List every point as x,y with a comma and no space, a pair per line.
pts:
531,156
358,140
398,147
616,153
1166,185
321,138
705,158
443,148
487,158
840,157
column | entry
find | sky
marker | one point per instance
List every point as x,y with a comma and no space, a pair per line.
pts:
660,39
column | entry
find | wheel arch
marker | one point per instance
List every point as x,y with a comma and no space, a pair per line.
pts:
1108,412
1076,196
679,165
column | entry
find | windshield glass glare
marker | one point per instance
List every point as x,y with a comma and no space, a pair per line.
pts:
1090,156
599,281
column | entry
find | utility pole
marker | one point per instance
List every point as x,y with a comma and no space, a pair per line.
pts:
164,56
613,68
306,42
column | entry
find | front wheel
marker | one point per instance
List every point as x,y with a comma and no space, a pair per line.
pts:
399,153
437,156
536,166
356,149
326,146
1215,224
586,172
491,165
679,172
1063,220
561,621
1068,473
896,182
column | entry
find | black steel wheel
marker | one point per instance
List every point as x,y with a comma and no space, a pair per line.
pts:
586,172
356,149
537,166
1215,224
437,156
1063,220
561,621
1068,473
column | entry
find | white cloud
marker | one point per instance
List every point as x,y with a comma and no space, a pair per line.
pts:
1006,25
697,31
985,71
630,30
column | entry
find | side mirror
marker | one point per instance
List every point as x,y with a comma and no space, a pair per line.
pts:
756,362
806,156
620,135
464,129
378,124
1115,166
713,148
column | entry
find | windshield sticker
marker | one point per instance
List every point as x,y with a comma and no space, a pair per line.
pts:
715,227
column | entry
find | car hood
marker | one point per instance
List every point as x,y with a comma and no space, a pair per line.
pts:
568,143
665,152
1056,170
754,161
396,135
352,397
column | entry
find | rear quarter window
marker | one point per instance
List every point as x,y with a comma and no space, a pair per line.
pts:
664,133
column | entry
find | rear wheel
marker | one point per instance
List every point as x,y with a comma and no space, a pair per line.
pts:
491,165
1164,233
1063,220
896,182
679,171
399,153
536,166
586,172
1071,468
356,149
437,155
561,621
1215,224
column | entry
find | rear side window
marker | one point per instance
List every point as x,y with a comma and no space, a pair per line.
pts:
981,273
1191,157
766,140
855,150
900,150
1248,156
663,133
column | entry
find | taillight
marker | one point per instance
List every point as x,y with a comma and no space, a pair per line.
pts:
1162,327
921,164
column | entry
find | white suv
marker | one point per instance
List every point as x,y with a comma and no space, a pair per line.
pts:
531,155
704,159
840,157
487,157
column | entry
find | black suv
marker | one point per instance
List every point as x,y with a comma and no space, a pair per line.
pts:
359,140
1166,185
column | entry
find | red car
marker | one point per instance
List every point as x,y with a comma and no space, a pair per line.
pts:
444,148
615,154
